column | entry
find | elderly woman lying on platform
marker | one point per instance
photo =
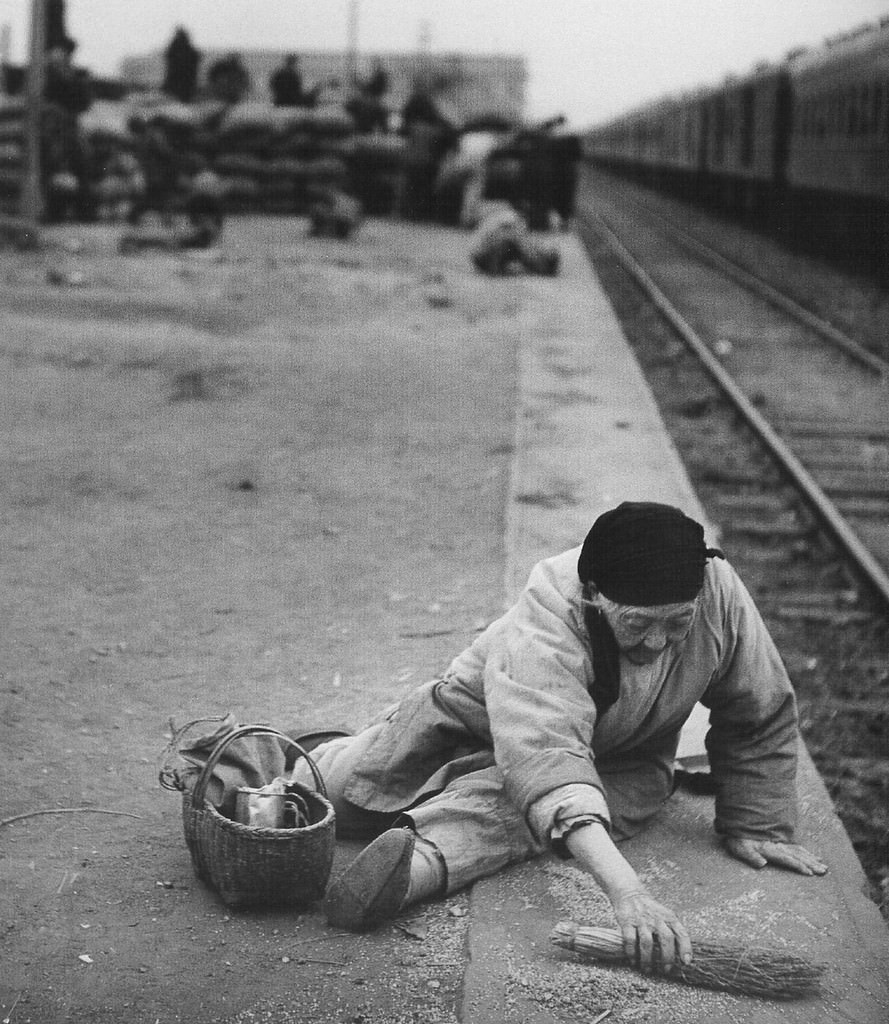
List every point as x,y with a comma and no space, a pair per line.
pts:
557,730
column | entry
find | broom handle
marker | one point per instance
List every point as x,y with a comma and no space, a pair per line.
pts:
601,943
200,787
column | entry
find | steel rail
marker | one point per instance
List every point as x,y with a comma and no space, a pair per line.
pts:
823,507
778,299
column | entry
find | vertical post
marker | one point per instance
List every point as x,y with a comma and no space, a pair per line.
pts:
32,194
424,37
352,44
5,51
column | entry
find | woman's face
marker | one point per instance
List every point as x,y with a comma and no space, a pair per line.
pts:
644,633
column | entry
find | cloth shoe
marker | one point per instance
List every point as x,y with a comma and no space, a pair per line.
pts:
373,887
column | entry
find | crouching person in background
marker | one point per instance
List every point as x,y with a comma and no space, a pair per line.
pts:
333,213
503,245
205,209
194,221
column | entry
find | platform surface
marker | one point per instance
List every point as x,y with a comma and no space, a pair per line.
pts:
371,435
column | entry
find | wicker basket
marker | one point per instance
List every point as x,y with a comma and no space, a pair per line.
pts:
260,867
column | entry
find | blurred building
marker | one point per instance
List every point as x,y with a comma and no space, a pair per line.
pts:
464,86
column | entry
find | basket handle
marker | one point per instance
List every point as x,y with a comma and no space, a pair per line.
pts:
200,787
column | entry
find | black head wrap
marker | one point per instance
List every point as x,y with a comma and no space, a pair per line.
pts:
639,553
645,554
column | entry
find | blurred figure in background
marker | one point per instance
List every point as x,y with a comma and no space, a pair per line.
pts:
286,83
502,244
181,60
228,79
378,84
192,216
430,135
333,213
286,86
67,93
204,207
56,33
537,180
160,169
366,105
565,153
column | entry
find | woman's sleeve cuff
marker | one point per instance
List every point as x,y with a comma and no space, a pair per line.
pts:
558,813
559,835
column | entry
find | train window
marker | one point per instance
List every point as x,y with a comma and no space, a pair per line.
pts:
886,108
719,130
748,118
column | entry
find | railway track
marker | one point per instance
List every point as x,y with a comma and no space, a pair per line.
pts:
779,299
785,435
816,398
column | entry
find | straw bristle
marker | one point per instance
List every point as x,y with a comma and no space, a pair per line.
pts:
771,974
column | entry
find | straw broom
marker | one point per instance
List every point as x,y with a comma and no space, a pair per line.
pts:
767,973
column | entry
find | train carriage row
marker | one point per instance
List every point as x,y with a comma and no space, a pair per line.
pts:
807,137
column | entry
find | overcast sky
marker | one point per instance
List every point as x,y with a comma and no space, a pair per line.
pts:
588,59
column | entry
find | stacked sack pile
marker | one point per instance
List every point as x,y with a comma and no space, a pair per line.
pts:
268,159
112,129
276,159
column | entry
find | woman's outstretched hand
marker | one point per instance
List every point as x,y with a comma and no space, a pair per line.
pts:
759,852
640,917
642,920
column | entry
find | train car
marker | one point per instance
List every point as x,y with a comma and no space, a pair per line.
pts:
802,145
657,145
838,158
744,132
726,143
624,143
682,138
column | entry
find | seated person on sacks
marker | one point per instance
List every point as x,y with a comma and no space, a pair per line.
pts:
557,730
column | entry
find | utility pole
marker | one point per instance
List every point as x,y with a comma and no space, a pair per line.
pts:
31,193
424,37
5,52
352,43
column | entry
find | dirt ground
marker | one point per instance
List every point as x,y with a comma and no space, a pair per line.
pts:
270,481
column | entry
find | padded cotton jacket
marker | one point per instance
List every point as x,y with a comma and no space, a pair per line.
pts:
519,697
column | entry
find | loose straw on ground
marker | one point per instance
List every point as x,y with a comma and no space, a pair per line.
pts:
767,973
